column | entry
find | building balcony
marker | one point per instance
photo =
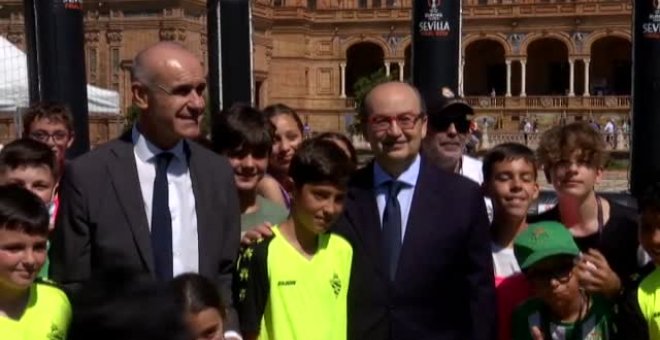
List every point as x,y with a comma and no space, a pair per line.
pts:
357,10
545,103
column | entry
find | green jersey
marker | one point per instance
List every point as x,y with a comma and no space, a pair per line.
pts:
595,325
284,295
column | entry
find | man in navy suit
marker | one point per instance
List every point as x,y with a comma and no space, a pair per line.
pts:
422,267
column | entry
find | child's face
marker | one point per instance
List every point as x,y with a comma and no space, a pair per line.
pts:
512,187
554,281
21,258
649,234
574,177
318,206
286,141
53,133
249,168
38,179
205,325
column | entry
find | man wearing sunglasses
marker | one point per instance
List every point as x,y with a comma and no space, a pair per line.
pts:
448,132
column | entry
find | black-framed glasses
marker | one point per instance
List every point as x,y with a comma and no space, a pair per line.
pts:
405,121
43,136
442,123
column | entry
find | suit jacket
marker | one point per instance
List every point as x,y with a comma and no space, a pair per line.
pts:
444,286
102,223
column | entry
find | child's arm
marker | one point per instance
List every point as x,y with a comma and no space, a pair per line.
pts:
270,189
252,287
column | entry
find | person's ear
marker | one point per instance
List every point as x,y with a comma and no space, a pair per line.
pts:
140,95
72,136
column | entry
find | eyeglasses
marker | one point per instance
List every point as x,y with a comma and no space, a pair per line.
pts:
405,121
442,123
43,136
561,272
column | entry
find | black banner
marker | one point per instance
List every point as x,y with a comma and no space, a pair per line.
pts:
436,44
645,151
57,39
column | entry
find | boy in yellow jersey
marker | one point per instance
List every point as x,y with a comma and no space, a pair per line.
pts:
29,310
293,285
639,316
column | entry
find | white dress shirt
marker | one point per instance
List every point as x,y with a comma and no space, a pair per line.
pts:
405,196
185,247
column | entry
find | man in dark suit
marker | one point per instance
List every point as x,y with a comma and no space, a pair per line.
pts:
422,267
152,201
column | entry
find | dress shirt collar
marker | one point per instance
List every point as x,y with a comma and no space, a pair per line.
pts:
146,151
408,176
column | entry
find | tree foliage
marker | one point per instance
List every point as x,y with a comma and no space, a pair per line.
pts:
360,89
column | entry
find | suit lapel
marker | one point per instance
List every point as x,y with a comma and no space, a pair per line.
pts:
123,173
201,192
362,211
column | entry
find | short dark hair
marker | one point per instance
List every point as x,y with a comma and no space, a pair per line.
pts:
52,111
29,153
650,199
119,303
281,109
320,161
336,136
507,152
242,126
196,293
21,210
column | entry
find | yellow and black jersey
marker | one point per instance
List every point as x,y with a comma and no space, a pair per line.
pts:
283,295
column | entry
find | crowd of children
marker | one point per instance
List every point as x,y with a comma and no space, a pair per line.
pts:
585,269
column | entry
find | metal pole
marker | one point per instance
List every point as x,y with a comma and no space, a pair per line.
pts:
61,62
30,22
236,50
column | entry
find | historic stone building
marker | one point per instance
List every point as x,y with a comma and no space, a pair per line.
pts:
542,59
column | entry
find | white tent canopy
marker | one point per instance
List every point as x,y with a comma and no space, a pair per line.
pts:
14,84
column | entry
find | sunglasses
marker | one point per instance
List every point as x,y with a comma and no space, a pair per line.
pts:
443,122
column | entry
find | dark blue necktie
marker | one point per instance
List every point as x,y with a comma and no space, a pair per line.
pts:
392,227
161,220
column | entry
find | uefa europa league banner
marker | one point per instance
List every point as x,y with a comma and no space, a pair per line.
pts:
436,44
645,167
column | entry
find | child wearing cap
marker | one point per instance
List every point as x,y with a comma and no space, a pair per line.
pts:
509,172
548,255
640,305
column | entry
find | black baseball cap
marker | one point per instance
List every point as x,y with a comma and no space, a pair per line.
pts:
445,103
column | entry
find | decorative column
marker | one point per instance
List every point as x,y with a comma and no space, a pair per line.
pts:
343,80
387,68
586,76
508,78
402,64
571,80
523,77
